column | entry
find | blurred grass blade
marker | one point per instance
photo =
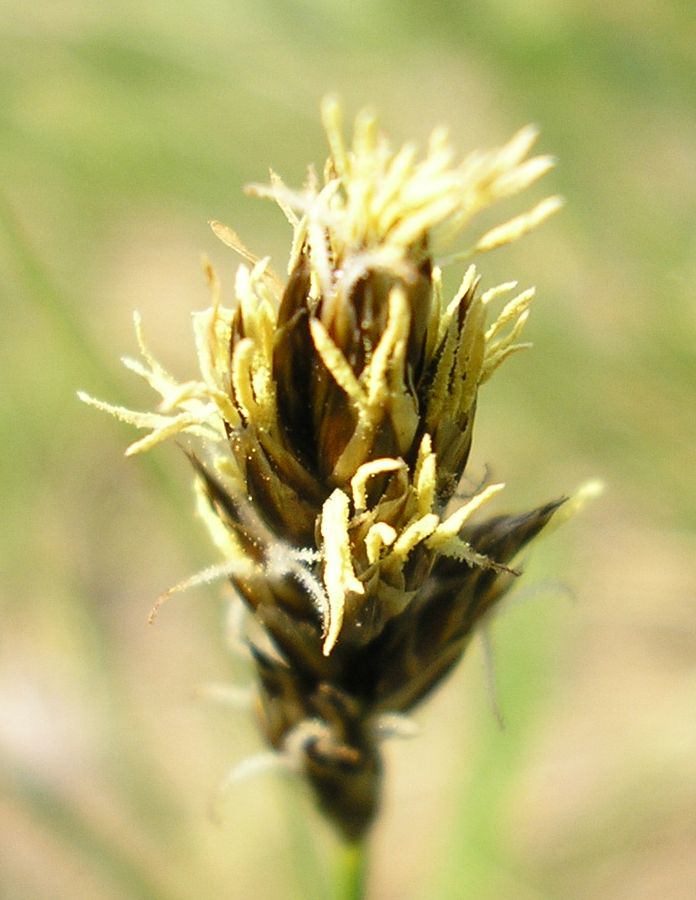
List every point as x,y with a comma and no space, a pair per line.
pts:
45,805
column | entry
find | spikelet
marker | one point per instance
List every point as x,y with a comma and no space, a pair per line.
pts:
334,412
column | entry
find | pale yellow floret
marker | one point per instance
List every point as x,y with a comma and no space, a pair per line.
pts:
339,575
517,313
159,375
334,360
258,318
435,320
290,215
195,407
456,377
374,197
470,280
470,355
237,567
156,375
379,536
494,292
441,536
299,239
493,175
332,119
454,523
456,548
398,172
440,208
162,426
425,476
212,333
231,239
209,331
175,426
515,228
413,534
512,153
389,352
255,303
520,178
438,396
358,482
320,257
242,360
386,198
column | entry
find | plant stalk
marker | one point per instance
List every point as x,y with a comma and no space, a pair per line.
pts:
352,870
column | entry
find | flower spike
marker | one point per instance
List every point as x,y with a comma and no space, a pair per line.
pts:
332,422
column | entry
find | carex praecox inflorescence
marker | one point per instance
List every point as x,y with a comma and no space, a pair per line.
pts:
330,429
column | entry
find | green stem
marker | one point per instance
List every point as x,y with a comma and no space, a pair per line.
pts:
352,869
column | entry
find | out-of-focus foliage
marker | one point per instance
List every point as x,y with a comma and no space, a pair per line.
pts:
124,127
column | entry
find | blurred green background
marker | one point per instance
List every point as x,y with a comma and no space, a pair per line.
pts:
124,127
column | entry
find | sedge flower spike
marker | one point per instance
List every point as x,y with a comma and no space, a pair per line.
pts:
331,425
